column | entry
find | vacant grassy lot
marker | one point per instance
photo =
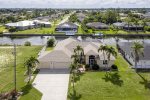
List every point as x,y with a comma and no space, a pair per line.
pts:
6,75
37,31
122,85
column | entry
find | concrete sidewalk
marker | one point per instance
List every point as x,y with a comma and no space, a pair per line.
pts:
53,84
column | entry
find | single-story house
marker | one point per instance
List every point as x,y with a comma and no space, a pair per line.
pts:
43,18
148,23
39,23
22,25
133,27
60,57
66,27
97,25
119,25
126,50
81,17
147,15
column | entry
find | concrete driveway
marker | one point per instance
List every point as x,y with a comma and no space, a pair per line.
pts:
53,84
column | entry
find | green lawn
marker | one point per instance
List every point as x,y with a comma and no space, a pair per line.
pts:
122,85
2,28
49,48
110,31
6,71
36,31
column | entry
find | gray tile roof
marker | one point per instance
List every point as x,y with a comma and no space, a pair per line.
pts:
67,25
97,25
127,47
119,24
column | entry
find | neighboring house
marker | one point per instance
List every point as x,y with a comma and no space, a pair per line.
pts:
66,27
119,25
39,23
123,16
22,25
97,25
126,50
133,27
148,23
81,17
43,18
147,15
60,57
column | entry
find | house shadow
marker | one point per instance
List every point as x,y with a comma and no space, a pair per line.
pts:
114,78
144,82
74,96
26,89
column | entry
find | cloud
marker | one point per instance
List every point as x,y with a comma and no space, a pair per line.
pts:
73,3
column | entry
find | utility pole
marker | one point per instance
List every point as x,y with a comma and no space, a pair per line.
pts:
14,53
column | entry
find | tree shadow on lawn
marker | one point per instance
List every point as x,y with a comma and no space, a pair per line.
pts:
74,96
26,89
114,78
145,82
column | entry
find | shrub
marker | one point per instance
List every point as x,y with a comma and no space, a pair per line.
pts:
147,28
114,67
50,42
12,29
27,43
87,66
95,67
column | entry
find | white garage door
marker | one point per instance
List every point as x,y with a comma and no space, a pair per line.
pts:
61,65
54,65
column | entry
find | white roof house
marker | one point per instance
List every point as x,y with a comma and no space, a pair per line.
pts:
21,24
60,57
27,24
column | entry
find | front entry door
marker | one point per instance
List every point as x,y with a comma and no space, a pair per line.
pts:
91,62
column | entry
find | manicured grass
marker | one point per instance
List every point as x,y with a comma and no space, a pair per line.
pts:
122,85
36,31
2,28
111,86
122,64
110,31
6,75
49,48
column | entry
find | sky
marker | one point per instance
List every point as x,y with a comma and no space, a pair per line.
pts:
74,3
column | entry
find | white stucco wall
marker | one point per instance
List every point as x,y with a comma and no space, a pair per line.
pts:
100,62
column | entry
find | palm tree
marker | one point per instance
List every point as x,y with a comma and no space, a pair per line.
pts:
128,20
144,24
30,63
104,49
73,68
136,22
75,58
111,51
79,52
138,50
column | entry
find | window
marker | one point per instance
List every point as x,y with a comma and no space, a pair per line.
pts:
105,62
